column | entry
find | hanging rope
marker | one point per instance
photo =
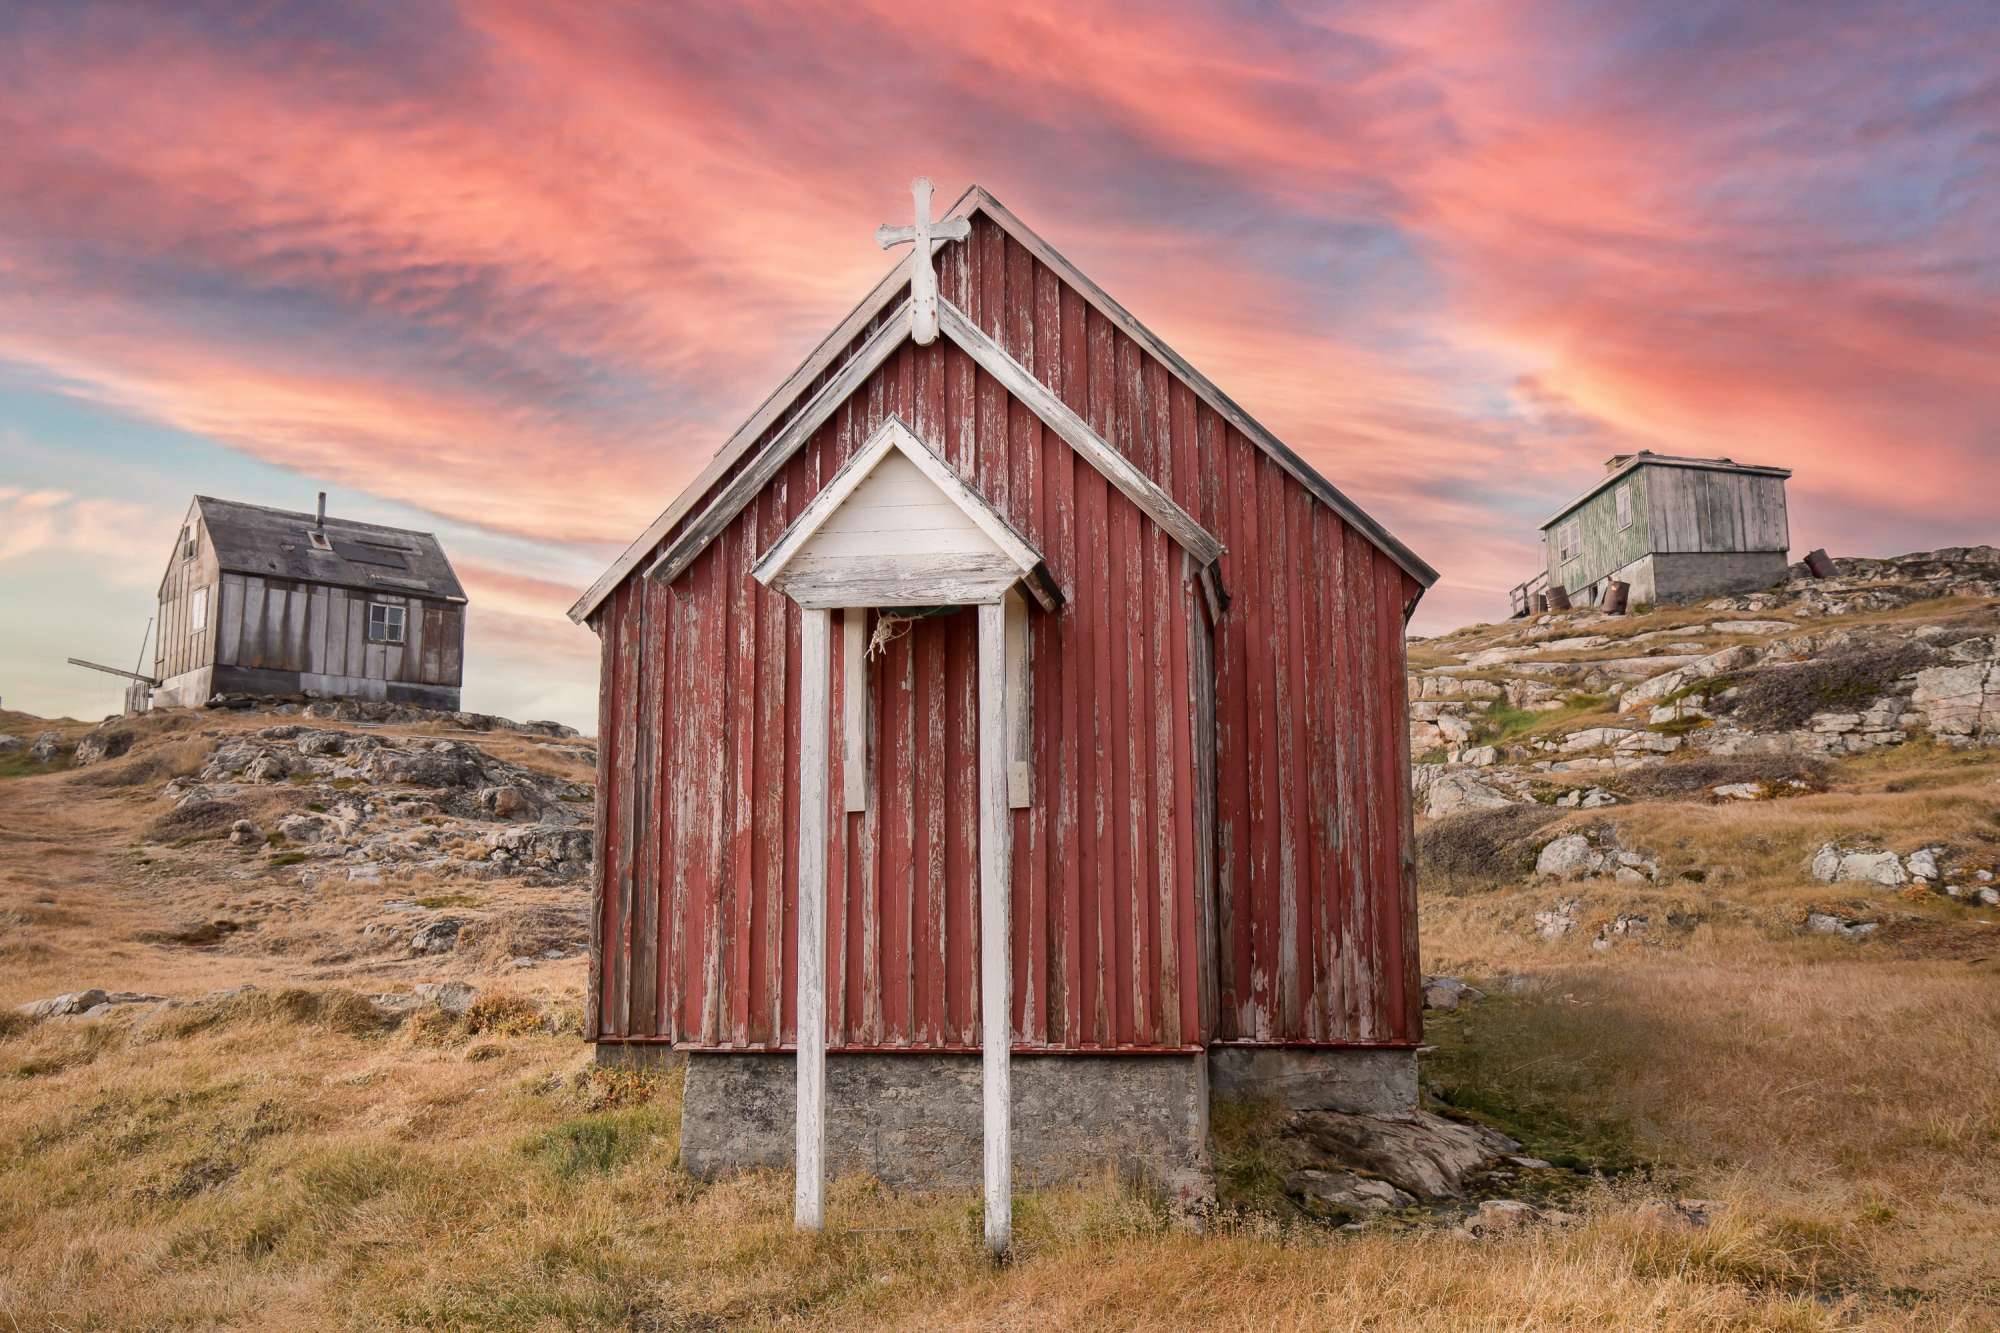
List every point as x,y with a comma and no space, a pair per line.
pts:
893,625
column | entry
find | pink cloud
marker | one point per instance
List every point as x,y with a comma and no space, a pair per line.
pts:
123,541
533,279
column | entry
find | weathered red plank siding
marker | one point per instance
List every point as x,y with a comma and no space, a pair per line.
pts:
1312,934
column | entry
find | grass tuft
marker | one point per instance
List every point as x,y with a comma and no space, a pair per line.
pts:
597,1144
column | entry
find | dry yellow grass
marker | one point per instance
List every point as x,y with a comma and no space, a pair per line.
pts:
283,1160
276,1162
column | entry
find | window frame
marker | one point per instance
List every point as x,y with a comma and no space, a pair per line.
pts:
1622,498
378,630
190,544
198,610
1569,541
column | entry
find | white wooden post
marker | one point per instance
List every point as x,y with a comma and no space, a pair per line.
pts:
809,1157
996,833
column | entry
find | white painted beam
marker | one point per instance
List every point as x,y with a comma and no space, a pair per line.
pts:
996,834
1019,714
1136,486
743,487
809,1157
854,707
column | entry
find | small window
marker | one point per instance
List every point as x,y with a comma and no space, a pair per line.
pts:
1569,541
385,623
198,610
1624,497
188,543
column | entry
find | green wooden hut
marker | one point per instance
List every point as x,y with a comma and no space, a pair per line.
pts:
1672,529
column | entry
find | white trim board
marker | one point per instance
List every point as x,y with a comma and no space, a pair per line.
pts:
1142,490
894,284
991,555
895,435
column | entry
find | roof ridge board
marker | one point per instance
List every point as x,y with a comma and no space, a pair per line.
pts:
1125,476
1648,456
813,414
1302,472
312,519
758,422
976,198
1638,461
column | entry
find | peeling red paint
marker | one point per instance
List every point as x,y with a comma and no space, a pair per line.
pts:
1312,939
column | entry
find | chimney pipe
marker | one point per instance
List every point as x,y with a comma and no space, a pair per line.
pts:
320,521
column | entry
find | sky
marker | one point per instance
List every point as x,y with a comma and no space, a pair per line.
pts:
511,272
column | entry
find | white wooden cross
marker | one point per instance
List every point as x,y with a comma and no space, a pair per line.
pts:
923,277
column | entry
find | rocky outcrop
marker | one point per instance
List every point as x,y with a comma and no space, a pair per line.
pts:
563,852
1825,923
1421,1154
1591,855
92,1003
1745,684
1445,791
455,998
364,803
101,744
1558,919
381,712
436,936
1445,994
1832,865
1707,667
1344,1192
1961,702
1930,867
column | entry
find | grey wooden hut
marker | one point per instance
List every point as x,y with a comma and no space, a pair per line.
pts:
1673,529
273,602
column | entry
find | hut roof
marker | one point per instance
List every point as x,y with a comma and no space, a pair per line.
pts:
1624,465
280,543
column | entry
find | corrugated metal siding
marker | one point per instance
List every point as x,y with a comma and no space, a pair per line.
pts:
1314,915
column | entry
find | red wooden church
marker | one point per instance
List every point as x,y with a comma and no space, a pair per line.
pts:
1009,704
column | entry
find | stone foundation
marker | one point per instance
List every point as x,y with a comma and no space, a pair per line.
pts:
914,1121
1693,576
1356,1080
652,1057
192,689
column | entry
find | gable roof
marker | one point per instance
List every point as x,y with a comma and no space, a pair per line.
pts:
743,487
893,284
276,543
1625,465
1015,560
